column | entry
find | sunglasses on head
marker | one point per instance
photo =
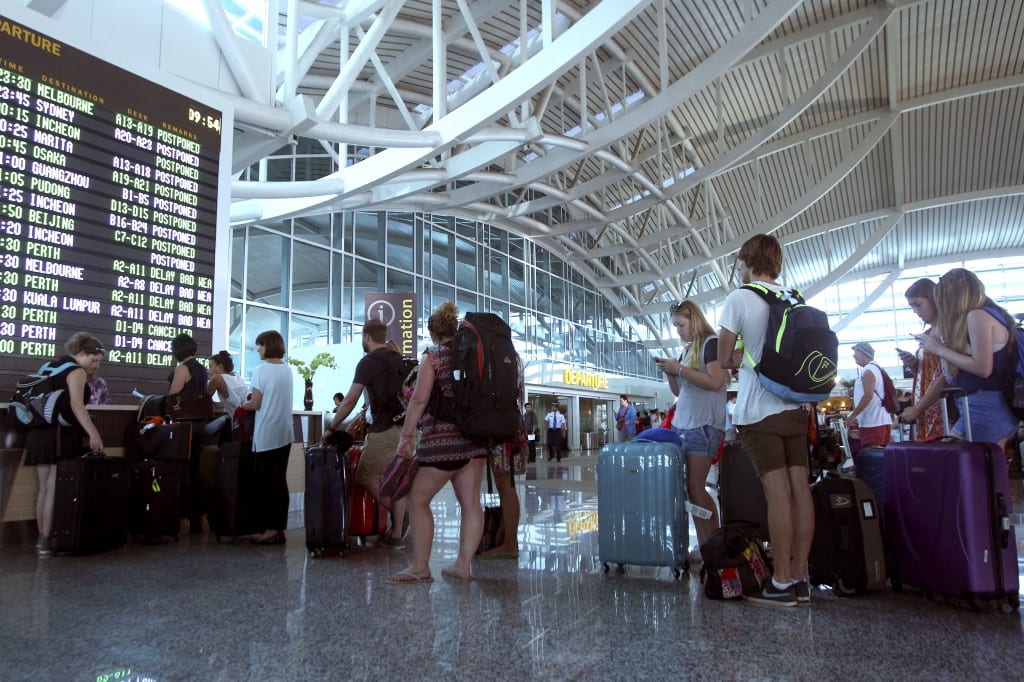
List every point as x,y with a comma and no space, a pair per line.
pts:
678,307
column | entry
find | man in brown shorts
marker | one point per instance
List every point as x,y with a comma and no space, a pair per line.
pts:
773,431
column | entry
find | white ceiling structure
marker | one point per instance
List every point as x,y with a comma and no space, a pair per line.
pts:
644,141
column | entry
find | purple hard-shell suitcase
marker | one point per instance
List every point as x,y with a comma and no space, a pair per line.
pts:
641,505
947,520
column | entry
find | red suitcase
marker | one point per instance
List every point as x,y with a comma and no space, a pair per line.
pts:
947,518
366,517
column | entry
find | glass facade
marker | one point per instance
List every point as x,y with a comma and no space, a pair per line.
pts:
308,278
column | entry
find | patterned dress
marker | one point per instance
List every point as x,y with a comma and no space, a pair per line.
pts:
930,423
441,443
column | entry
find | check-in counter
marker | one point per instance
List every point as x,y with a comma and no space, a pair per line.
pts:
18,484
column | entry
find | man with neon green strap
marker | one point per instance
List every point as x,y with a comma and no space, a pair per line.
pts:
773,431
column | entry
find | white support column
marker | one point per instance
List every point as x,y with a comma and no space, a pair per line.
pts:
440,63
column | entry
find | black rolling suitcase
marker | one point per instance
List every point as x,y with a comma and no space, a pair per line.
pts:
847,552
231,506
90,504
153,509
326,508
740,493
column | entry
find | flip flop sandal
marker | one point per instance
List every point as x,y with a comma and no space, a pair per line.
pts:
408,578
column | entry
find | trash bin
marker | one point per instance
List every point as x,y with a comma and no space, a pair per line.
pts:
602,438
589,440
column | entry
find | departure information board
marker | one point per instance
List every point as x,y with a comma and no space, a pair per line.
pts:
108,202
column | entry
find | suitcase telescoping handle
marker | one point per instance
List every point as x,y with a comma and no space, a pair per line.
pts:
956,391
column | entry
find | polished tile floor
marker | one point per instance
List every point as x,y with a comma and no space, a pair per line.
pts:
203,611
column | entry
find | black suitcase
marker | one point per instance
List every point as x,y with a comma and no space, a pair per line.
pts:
231,512
740,493
90,504
326,508
153,510
167,441
847,551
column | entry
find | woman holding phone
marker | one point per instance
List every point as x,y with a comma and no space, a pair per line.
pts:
699,384
929,422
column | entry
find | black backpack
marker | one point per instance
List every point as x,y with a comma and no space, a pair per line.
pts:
485,376
38,402
801,353
396,369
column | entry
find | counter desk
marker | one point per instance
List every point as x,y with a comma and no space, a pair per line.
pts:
18,484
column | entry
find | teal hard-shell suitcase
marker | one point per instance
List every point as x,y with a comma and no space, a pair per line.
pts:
641,505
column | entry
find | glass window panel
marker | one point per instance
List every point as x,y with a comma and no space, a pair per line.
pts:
314,228
368,278
238,262
313,167
279,170
310,278
337,284
441,255
465,263
267,268
498,275
517,247
307,331
234,328
347,293
542,292
558,296
466,301
439,293
400,282
517,282
401,249
369,236
257,321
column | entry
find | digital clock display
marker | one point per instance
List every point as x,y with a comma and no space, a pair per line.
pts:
108,212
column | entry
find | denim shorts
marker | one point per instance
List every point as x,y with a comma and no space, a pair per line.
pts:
991,418
703,441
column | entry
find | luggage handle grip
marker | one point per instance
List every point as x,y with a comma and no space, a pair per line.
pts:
1004,517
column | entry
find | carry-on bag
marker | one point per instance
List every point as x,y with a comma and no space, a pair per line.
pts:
156,439
326,508
90,504
948,507
154,501
740,493
641,505
847,552
869,466
365,517
231,513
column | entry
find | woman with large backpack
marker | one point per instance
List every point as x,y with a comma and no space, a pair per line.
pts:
45,445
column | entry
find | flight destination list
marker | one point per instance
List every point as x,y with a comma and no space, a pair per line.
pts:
108,197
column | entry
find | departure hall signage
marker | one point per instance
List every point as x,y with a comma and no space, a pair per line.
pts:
108,199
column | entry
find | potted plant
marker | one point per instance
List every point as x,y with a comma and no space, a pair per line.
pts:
307,371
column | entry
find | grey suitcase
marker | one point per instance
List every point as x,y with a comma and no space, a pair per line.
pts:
641,505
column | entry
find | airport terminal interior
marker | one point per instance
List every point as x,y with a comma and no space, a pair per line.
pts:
575,166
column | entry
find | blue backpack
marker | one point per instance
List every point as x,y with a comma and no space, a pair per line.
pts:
38,402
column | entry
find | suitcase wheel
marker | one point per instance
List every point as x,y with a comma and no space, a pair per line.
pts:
842,589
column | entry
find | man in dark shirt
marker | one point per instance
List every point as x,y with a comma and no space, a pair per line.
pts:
530,424
376,374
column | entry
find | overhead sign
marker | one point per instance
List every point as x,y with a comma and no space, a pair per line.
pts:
584,379
399,312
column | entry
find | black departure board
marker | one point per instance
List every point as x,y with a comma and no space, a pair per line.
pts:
108,203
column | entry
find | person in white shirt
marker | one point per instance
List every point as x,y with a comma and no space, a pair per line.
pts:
228,387
272,435
773,431
869,416
556,432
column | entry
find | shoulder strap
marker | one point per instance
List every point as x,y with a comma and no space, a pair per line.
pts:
881,380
